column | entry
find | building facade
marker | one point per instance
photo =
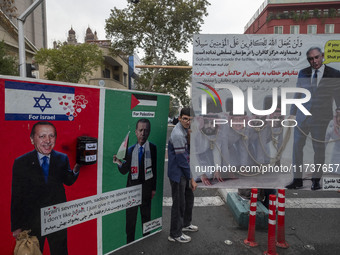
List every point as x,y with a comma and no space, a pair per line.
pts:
296,17
9,34
114,71
35,24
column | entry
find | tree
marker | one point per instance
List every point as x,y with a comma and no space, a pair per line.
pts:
70,63
8,63
171,81
174,107
161,28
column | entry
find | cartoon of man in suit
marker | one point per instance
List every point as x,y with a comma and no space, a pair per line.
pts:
323,83
38,181
141,165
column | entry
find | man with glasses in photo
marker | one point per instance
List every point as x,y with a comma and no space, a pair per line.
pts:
323,83
181,182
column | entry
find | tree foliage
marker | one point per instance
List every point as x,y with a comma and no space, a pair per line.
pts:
171,81
70,63
8,63
161,28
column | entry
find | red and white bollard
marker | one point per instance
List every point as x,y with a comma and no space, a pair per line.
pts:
271,226
281,242
250,241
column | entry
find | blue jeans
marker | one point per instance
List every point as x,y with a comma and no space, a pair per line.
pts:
182,204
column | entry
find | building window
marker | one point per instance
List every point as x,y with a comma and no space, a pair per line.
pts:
125,79
106,73
312,29
278,30
329,29
295,29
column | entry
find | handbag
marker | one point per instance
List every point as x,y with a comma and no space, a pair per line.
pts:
26,244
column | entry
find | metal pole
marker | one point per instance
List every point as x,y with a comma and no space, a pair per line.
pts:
21,36
22,55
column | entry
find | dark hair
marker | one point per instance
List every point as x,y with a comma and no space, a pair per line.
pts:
42,123
144,121
313,48
185,111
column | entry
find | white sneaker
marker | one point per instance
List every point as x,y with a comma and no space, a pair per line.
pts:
190,228
182,239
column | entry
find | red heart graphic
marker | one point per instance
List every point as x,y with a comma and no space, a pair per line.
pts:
73,101
66,104
64,97
61,103
68,113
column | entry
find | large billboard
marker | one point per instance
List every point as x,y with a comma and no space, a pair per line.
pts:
266,110
83,193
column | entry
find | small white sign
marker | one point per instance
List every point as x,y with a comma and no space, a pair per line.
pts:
331,183
91,146
139,114
90,158
152,225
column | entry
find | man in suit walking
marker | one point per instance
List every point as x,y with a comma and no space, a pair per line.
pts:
323,83
141,165
38,181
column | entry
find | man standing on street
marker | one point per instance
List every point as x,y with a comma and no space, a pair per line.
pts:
181,182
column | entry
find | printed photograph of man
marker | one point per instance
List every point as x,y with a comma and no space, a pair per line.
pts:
38,181
323,83
141,165
333,139
207,148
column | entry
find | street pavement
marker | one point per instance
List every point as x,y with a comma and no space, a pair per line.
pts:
312,226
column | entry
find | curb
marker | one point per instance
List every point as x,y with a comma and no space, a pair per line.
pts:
240,209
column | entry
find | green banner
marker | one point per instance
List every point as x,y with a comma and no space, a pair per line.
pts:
122,112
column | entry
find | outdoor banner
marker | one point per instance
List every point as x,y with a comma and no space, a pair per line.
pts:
262,113
81,204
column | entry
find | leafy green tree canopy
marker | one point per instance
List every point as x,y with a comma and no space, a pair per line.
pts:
70,63
8,63
168,81
160,28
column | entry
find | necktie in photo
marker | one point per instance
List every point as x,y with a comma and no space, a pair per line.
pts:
140,155
45,166
315,79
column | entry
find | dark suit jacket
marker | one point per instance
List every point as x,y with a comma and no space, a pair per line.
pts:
30,192
126,167
320,105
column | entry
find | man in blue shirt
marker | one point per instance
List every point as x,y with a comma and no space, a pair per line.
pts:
182,184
